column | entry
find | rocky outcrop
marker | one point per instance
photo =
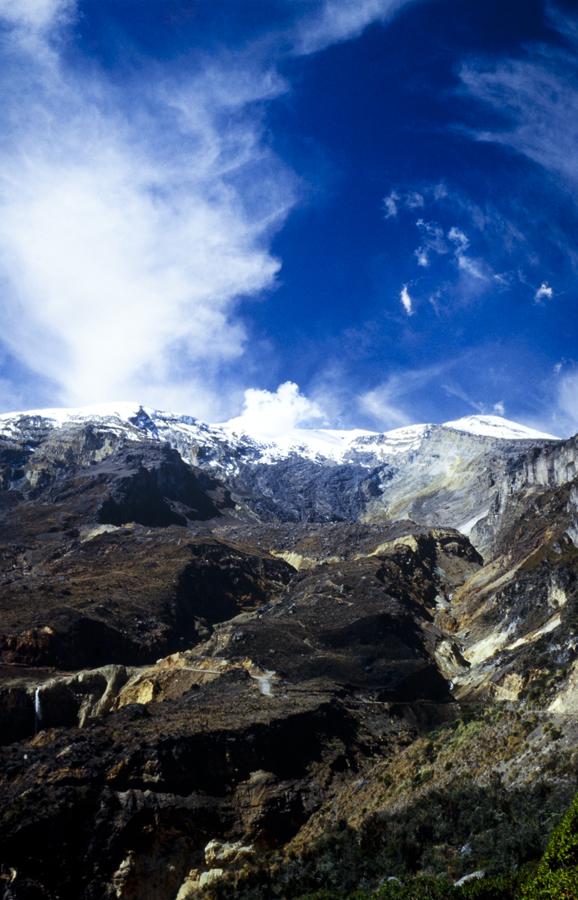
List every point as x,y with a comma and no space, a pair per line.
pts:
528,475
34,700
516,618
129,807
189,764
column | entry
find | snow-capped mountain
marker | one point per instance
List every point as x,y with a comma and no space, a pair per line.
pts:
338,446
442,475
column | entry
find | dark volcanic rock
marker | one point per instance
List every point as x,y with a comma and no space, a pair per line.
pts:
298,676
301,490
129,596
154,789
84,582
365,623
158,489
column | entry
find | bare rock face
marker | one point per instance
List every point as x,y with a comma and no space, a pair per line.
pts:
128,596
99,566
516,618
225,673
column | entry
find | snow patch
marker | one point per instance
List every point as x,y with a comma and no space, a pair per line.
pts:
310,443
59,416
469,526
498,427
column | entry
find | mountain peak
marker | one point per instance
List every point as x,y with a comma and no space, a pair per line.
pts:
498,427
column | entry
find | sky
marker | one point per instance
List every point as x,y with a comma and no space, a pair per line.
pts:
328,213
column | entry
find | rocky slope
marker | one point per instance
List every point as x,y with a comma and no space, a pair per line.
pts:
233,666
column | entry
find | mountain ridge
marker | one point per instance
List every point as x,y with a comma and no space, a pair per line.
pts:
328,443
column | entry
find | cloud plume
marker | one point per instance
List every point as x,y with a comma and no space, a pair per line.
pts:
273,413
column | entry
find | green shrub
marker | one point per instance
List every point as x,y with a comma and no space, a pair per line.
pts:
557,875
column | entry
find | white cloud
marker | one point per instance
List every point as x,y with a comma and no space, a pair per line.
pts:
471,266
456,241
274,413
433,237
455,389
435,301
414,200
383,408
459,238
334,21
435,241
465,263
131,223
395,201
135,218
499,408
390,205
406,300
558,410
544,292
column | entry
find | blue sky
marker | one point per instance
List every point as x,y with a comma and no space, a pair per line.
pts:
373,200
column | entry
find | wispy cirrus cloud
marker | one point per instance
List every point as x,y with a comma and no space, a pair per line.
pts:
391,205
132,221
333,21
535,99
566,413
453,243
36,15
469,250
390,404
454,389
408,200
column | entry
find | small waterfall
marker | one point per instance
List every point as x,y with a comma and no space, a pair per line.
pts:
264,682
37,711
